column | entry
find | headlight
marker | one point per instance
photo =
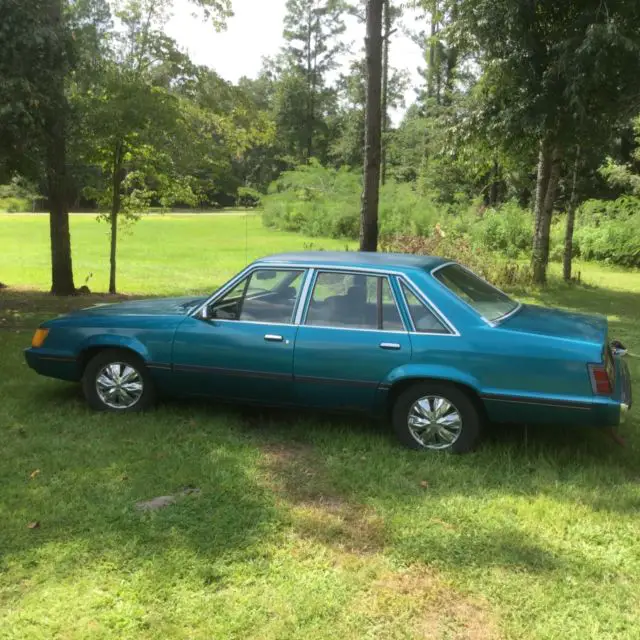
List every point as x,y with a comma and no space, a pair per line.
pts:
39,337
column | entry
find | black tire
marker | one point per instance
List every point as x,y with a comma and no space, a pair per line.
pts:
123,358
471,419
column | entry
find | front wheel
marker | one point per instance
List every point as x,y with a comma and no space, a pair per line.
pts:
117,380
438,417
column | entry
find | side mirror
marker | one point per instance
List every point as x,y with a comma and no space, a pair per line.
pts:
203,314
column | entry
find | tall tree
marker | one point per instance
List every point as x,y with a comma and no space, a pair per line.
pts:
34,61
548,65
132,117
373,129
55,129
312,31
390,15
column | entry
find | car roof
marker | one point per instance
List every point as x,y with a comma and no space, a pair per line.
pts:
391,261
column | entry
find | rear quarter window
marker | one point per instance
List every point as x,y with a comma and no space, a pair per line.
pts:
491,303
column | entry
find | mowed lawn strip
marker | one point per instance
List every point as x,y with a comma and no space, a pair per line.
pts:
305,526
170,254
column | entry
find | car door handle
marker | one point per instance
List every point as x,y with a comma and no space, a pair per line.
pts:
393,346
272,337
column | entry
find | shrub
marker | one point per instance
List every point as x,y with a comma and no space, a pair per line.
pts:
315,200
17,195
608,231
15,205
459,248
320,201
248,197
508,229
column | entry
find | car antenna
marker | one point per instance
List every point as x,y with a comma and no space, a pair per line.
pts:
246,237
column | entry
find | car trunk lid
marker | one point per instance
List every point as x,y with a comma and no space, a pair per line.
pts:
567,325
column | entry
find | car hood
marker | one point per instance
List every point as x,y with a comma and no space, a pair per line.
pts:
150,307
559,324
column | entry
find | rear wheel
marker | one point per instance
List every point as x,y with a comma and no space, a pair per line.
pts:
437,417
117,380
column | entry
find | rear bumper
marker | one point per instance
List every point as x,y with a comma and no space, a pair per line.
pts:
623,393
52,364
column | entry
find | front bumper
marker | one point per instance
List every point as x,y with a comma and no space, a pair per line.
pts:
49,363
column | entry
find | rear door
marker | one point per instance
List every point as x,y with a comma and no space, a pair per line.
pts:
350,338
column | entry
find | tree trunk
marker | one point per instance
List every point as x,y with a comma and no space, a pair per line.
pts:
310,92
544,170
431,84
547,182
571,218
61,266
385,90
56,157
372,143
115,210
495,184
451,62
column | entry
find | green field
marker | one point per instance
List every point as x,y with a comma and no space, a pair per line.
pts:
305,526
159,254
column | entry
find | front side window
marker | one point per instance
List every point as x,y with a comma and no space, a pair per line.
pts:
355,301
424,320
488,301
265,295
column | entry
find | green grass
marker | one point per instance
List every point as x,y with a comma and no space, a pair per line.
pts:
305,526
161,253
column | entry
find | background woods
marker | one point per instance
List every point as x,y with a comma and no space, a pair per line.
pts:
519,141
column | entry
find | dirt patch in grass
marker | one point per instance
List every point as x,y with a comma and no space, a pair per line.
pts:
298,477
432,608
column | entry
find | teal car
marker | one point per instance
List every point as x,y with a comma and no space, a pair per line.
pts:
417,339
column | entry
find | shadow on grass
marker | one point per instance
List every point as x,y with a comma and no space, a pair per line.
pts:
79,475
341,481
344,478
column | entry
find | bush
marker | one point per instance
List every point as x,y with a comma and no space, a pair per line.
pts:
320,201
17,196
508,229
248,197
15,205
315,200
608,231
458,248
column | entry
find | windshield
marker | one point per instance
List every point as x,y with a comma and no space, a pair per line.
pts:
485,299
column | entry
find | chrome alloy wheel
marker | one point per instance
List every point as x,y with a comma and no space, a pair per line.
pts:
119,385
434,422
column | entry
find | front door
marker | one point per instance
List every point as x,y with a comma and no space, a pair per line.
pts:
241,347
351,338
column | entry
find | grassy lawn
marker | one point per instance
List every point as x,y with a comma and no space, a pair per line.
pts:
159,254
304,526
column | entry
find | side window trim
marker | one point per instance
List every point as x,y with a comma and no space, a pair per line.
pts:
451,329
305,296
301,317
247,274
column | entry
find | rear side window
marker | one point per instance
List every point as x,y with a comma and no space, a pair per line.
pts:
353,301
488,301
424,320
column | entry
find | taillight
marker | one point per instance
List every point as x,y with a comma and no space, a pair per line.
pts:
600,380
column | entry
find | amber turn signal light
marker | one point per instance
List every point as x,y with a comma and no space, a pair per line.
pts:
39,337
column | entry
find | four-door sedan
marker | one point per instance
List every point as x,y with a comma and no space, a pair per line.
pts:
420,339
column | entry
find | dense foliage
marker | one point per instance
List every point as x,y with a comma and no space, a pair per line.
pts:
524,119
320,201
